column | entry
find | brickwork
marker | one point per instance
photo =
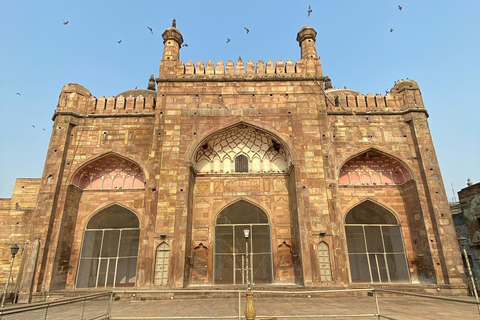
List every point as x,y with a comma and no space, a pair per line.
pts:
293,106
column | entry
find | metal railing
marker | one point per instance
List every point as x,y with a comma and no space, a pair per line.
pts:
86,307
280,304
230,304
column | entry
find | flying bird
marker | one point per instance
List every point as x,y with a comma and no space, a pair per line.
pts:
309,10
151,30
18,93
228,40
65,22
32,126
400,7
119,41
43,129
185,45
246,29
391,30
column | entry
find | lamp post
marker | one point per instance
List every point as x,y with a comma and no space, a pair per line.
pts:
249,306
13,249
463,241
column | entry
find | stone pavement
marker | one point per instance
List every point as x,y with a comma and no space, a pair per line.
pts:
402,308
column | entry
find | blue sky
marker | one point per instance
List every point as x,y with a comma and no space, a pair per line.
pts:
435,43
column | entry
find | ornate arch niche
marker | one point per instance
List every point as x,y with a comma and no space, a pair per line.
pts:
242,149
110,172
373,168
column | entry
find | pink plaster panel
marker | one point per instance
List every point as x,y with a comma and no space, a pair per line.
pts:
110,172
373,167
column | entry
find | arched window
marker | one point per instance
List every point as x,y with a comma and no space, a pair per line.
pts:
109,249
324,261
241,163
230,264
161,264
375,245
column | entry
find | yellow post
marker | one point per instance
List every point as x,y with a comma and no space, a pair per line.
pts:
249,306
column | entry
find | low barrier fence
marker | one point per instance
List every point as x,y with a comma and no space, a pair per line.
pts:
230,304
87,307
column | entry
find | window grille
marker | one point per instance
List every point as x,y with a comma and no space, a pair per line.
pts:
241,163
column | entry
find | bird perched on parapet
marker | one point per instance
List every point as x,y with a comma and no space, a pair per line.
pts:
246,29
18,93
309,10
391,30
400,7
239,58
185,45
119,41
151,30
65,22
228,40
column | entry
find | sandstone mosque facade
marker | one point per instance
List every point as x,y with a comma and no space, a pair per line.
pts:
154,188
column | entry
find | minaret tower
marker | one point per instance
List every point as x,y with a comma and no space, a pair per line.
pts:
172,40
306,40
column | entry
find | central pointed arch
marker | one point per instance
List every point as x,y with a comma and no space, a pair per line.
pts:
258,150
230,254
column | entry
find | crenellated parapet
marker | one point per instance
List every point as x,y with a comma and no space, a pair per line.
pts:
302,68
405,94
77,99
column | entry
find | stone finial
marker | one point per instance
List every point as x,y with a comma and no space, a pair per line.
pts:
469,182
151,83
328,83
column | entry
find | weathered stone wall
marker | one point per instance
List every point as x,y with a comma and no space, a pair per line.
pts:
160,131
16,224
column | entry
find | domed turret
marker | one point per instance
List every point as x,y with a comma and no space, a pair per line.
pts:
172,41
306,39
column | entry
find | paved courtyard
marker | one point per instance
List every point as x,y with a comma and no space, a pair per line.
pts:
405,308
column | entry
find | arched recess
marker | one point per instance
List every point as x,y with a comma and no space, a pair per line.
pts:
245,143
375,245
109,249
162,263
324,262
372,167
230,258
109,171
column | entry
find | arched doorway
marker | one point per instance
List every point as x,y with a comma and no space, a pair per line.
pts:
109,249
161,264
375,245
230,245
